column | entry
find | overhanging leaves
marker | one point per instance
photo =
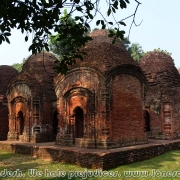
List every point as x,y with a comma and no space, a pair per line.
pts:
41,17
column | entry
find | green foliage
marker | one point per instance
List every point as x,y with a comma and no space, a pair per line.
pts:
160,50
58,45
66,48
95,29
136,51
18,66
41,17
126,43
165,166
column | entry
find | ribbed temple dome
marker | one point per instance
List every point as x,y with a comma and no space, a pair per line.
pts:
6,74
103,55
159,68
40,62
156,62
38,74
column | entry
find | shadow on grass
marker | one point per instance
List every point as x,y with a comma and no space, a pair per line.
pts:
4,156
13,162
23,163
170,159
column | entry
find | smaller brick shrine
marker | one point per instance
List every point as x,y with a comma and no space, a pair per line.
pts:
32,101
6,74
162,102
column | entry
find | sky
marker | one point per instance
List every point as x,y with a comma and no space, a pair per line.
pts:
160,28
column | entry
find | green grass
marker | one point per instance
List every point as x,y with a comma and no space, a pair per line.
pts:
24,164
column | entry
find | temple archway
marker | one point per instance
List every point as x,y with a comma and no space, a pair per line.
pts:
21,122
147,121
55,122
79,122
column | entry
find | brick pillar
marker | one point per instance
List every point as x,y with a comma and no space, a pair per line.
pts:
167,116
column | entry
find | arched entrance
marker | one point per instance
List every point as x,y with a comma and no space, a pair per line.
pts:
79,122
55,122
21,122
147,121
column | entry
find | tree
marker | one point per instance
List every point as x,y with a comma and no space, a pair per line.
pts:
60,48
65,46
18,66
41,17
126,43
136,51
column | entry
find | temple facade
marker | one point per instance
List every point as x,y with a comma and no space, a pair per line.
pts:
100,100
6,74
108,100
32,101
162,102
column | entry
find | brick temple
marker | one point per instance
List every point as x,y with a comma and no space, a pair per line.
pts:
31,101
100,100
6,74
162,102
108,100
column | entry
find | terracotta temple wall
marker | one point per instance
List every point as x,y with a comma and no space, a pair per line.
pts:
163,97
127,122
6,74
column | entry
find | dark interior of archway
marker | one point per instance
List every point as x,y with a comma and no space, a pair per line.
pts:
21,122
55,122
79,122
147,121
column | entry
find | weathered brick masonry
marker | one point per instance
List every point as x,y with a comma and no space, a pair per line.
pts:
6,74
162,102
30,101
100,100
105,101
96,158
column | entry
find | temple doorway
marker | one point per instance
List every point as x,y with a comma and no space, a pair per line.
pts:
21,122
55,122
147,121
79,122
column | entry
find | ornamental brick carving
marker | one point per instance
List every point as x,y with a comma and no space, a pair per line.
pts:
162,98
30,101
100,100
6,74
105,101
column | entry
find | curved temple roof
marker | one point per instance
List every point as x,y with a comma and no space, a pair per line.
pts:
156,62
6,74
103,55
159,68
38,74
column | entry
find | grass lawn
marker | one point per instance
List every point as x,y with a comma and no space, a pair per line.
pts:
24,167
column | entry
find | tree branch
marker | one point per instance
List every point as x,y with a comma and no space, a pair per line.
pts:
133,21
